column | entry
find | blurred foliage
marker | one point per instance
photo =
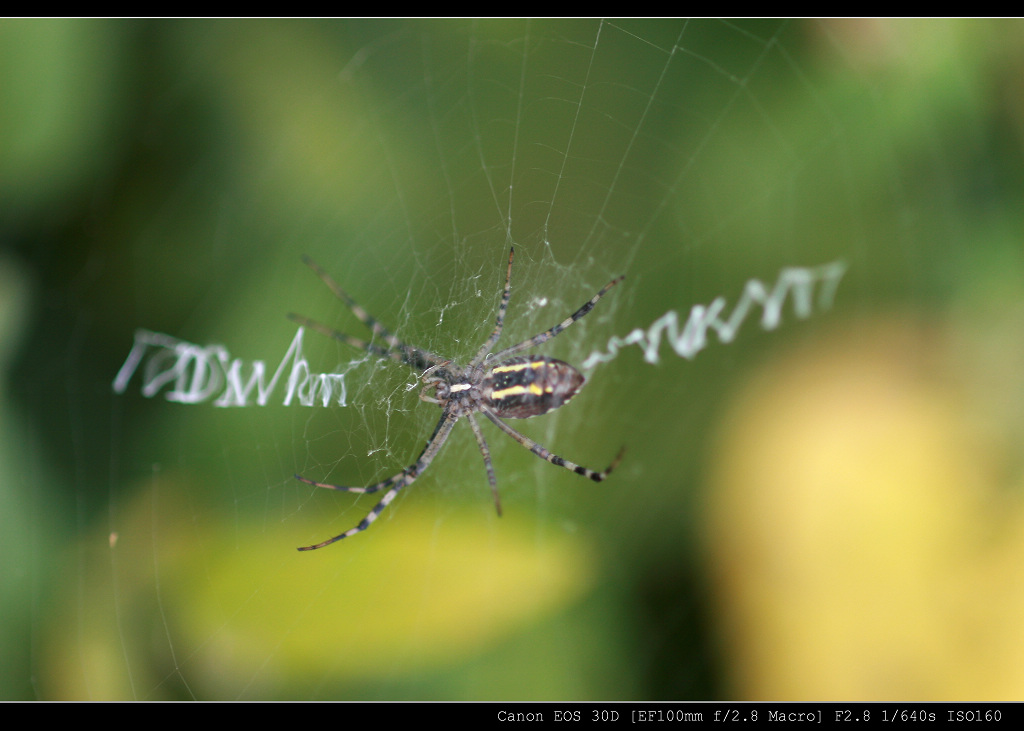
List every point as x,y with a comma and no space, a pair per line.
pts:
829,511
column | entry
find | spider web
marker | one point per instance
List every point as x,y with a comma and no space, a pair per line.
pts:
406,158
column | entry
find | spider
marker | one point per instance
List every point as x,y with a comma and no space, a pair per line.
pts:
494,384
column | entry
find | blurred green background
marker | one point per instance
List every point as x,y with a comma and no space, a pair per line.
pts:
830,510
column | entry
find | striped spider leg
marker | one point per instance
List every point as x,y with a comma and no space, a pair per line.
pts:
493,384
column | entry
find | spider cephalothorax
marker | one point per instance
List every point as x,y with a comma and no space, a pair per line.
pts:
493,384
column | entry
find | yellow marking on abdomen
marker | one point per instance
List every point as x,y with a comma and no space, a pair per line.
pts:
514,367
532,389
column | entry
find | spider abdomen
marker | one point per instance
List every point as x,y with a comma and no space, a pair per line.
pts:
530,386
